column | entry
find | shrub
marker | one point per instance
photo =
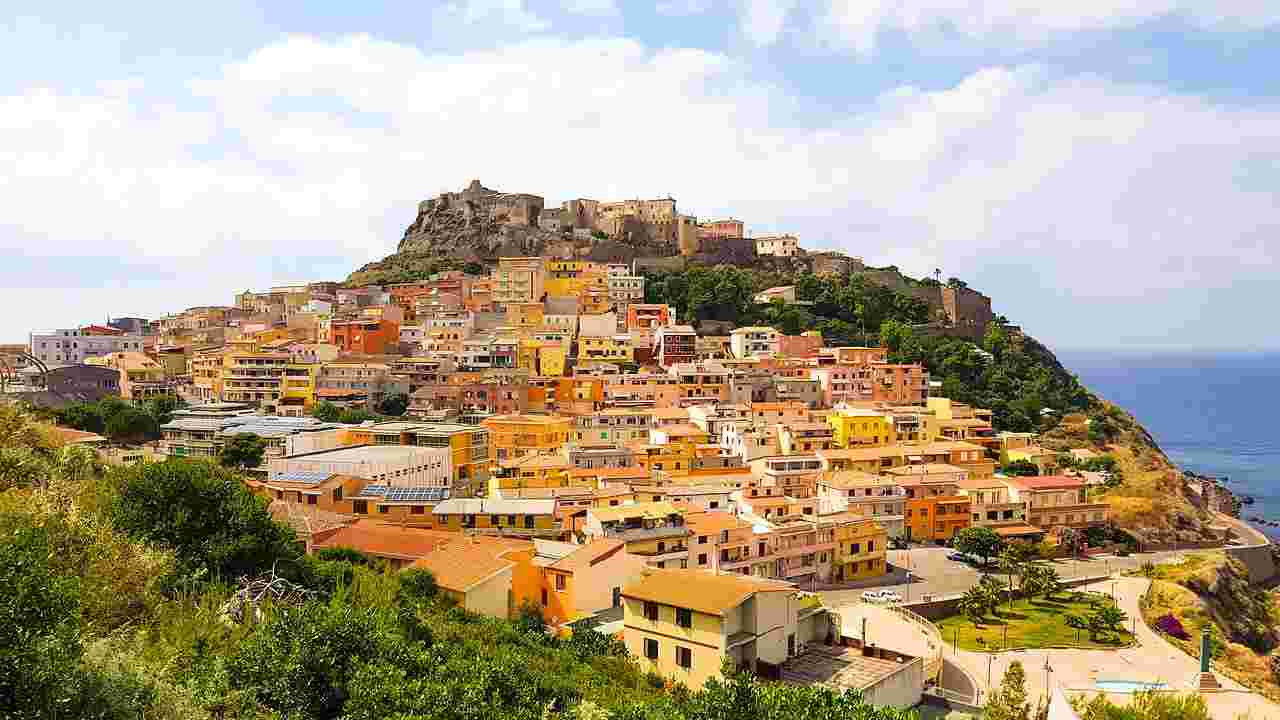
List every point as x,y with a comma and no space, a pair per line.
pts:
1172,626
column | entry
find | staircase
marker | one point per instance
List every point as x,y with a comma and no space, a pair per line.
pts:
1208,682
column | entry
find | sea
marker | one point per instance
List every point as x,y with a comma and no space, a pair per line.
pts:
1212,413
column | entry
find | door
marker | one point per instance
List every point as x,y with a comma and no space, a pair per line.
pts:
617,597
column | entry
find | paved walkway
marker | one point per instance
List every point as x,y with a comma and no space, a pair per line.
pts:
1151,660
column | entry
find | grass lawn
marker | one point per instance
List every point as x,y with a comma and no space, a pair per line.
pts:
1031,624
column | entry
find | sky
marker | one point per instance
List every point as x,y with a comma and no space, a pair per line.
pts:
1107,171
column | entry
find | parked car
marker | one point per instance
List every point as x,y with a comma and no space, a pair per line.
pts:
871,596
960,557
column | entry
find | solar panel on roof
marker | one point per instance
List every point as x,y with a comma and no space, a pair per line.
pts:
415,494
373,491
303,476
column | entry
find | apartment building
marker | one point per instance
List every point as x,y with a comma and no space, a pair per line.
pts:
991,503
674,344
141,377
254,377
365,336
794,475
855,427
614,426
683,625
866,459
518,280
867,495
513,436
803,438
71,346
521,518
1057,501
655,531
612,348
373,381
899,384
861,550
754,341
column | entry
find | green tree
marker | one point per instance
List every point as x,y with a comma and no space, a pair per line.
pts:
394,405
979,541
161,408
83,416
1144,706
130,424
1010,701
326,412
1106,618
1020,468
243,450
206,515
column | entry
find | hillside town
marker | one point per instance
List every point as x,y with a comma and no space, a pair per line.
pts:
535,434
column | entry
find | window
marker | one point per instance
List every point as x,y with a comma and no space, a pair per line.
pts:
871,546
684,657
528,521
360,507
684,617
702,539
651,611
855,548
311,499
702,558
651,648
560,582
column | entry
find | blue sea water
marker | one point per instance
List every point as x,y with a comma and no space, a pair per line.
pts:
1214,414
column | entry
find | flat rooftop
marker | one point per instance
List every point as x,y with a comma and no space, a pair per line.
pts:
837,668
365,453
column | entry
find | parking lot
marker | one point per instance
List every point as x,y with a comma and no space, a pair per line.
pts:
934,575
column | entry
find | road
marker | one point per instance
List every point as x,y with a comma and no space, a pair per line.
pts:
933,574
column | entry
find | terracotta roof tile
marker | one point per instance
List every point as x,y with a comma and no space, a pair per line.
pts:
699,590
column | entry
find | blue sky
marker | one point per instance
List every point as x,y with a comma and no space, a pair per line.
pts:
1108,171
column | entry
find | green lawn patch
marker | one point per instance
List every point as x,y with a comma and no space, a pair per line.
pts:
1038,623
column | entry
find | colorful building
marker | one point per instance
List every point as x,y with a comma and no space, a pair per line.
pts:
860,551
514,436
861,428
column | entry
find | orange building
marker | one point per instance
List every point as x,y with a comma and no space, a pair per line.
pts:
366,336
936,517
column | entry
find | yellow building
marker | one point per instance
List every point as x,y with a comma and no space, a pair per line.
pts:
854,428
542,357
493,516
513,436
572,278
683,624
860,551
298,389
254,377
612,348
534,471
525,314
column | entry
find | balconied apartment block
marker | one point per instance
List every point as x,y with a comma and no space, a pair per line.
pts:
655,531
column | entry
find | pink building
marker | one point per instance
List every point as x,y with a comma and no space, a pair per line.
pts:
805,345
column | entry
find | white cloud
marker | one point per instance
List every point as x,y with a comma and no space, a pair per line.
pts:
857,24
306,148
763,20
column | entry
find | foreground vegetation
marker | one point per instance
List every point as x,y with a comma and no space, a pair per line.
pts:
114,590
1210,592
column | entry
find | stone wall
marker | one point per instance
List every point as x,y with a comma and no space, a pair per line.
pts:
1259,560
968,309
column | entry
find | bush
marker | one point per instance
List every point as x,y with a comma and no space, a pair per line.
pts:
205,514
1172,626
416,586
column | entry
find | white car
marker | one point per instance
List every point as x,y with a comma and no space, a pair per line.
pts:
871,596
890,596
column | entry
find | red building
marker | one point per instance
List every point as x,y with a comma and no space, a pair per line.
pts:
648,316
366,336
675,344
902,384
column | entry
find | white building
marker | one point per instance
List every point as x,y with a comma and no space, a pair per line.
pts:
71,347
778,245
626,289
754,341
393,465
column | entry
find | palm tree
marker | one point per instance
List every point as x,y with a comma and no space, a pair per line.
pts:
1011,563
78,463
974,604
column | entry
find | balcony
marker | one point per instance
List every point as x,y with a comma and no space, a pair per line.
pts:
636,534
661,554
